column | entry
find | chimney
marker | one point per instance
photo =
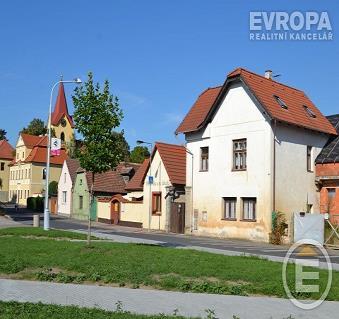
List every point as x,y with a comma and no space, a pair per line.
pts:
268,74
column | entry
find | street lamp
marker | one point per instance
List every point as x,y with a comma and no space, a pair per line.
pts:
150,182
46,210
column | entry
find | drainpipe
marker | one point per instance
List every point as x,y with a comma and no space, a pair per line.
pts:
273,173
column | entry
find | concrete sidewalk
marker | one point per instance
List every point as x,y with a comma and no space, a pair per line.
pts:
150,302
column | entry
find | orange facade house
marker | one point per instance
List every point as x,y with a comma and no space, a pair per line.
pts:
327,174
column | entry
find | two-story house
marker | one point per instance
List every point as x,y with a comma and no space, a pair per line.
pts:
253,142
27,176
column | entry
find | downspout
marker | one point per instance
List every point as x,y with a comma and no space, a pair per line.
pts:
274,166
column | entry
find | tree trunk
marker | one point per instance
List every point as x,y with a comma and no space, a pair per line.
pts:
89,213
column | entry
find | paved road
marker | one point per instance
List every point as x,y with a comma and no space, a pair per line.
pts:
153,302
228,246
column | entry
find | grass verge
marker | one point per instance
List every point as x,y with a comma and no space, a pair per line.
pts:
15,310
40,232
135,265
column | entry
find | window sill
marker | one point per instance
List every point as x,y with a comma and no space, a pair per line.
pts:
156,214
310,171
205,170
248,220
239,170
229,219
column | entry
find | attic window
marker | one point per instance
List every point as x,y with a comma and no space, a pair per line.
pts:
280,102
309,112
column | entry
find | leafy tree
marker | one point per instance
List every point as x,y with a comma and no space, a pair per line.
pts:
3,134
97,114
139,153
124,147
53,188
35,127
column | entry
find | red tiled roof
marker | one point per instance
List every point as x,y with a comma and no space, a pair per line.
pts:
137,181
72,165
60,109
199,111
32,140
264,90
6,150
174,158
109,182
39,155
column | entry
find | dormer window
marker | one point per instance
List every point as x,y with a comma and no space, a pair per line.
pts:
280,102
309,112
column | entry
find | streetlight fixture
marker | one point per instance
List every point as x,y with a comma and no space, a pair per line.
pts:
46,210
150,182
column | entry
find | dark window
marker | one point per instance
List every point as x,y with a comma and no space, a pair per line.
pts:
156,202
239,154
2,166
309,158
81,202
309,112
62,137
249,208
230,204
44,173
204,159
280,102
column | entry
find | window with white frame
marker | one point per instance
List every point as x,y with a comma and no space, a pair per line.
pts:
239,154
249,208
204,159
309,159
230,204
64,197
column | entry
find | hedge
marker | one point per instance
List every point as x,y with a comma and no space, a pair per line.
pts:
35,203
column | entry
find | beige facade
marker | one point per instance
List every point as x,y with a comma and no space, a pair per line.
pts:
64,131
4,177
26,173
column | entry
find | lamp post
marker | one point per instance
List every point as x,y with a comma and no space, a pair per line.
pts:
150,182
46,210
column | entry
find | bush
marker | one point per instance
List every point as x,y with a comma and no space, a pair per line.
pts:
279,226
35,203
53,188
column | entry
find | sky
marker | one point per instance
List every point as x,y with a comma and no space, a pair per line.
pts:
157,55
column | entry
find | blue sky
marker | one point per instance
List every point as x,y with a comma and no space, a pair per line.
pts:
157,55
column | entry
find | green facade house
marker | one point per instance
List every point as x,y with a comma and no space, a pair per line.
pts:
106,184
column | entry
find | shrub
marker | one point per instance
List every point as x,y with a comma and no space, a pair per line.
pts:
279,226
35,203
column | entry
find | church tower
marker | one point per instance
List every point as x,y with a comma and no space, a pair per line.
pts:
61,121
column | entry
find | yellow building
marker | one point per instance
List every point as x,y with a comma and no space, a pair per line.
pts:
61,121
27,174
6,156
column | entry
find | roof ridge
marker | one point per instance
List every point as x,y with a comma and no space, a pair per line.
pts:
264,78
171,144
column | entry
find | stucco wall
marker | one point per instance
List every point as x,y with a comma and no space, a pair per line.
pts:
133,212
295,185
80,189
161,181
65,185
104,210
238,117
4,176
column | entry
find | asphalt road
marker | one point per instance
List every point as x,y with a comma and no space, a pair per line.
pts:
169,239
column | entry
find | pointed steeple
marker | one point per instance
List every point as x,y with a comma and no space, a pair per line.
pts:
60,108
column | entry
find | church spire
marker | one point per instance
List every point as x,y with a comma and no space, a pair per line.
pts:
60,108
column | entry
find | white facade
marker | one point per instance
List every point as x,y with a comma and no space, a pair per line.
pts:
65,188
240,117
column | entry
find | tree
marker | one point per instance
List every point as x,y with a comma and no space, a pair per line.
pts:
96,115
139,153
3,134
35,127
53,188
123,145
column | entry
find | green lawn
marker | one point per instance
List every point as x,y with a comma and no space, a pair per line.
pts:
136,265
39,232
14,310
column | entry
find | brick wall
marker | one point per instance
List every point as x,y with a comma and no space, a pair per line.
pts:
329,192
329,169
